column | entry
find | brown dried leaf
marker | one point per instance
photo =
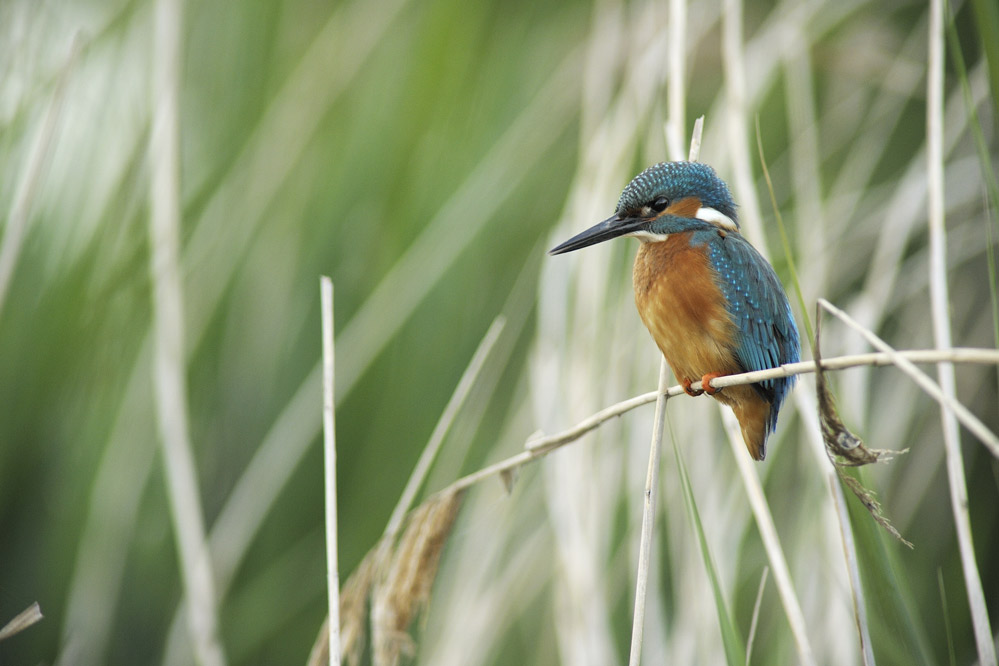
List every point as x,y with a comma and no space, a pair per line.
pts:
873,507
846,449
405,588
353,613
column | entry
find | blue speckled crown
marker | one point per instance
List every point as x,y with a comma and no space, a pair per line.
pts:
675,181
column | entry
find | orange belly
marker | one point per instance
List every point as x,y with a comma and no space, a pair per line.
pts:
684,310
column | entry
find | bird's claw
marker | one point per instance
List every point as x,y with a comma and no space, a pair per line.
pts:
706,382
689,391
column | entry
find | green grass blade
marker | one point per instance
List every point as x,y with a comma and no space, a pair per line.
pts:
946,617
984,159
785,243
898,633
987,22
735,651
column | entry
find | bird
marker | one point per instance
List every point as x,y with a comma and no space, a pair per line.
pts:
711,301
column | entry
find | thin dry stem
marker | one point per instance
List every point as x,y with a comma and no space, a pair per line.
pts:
756,614
652,478
538,447
733,60
676,96
958,355
648,519
329,459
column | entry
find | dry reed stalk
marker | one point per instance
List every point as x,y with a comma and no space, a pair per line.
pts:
733,68
751,638
544,443
329,472
169,359
567,381
940,306
651,496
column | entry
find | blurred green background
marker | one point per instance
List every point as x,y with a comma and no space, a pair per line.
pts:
422,154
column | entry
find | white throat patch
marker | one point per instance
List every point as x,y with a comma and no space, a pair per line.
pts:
716,218
648,236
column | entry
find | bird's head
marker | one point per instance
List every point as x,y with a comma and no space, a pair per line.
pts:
666,198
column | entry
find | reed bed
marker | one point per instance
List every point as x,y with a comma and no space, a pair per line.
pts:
175,177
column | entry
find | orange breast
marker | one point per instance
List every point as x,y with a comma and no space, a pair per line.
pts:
683,308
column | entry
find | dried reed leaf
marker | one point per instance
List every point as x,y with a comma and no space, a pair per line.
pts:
844,448
354,606
873,507
405,588
21,621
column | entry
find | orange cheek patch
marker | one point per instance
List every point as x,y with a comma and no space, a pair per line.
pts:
687,207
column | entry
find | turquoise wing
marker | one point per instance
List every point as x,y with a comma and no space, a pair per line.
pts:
757,303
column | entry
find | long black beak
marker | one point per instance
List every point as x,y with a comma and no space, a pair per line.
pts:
610,228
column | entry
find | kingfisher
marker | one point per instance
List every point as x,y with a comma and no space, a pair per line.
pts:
713,304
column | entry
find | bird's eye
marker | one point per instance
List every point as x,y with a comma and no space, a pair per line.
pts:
659,205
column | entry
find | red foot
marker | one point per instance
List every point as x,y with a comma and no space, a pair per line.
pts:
706,382
686,387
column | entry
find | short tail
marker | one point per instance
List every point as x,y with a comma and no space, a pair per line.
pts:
757,423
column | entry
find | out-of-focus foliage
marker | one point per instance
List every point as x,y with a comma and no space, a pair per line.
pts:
422,153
